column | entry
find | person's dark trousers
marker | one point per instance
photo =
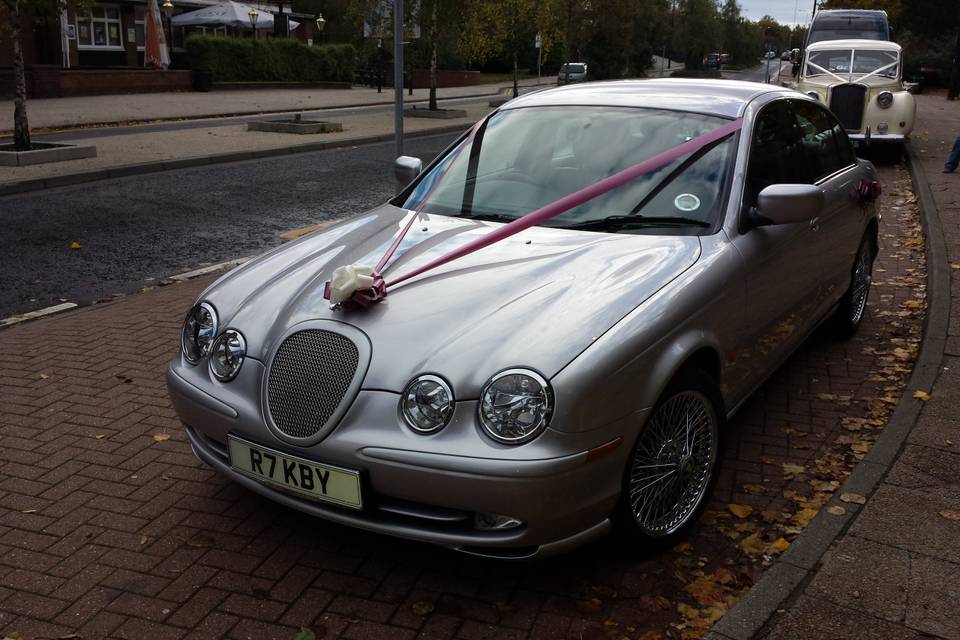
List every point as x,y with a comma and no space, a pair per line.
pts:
954,160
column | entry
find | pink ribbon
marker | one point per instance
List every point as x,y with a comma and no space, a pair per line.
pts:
552,210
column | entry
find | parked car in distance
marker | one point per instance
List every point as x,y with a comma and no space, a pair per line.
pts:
770,55
849,24
529,396
712,61
861,81
572,72
785,55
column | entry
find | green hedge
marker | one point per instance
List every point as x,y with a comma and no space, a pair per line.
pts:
248,60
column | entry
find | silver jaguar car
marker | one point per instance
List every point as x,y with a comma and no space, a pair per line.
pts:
541,338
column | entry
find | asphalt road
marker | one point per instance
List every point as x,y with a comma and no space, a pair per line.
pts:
135,231
755,74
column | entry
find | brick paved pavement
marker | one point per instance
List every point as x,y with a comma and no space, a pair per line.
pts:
107,532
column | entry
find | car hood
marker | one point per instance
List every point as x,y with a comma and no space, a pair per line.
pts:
536,299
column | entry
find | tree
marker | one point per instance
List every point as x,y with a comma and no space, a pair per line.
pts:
12,15
441,21
698,30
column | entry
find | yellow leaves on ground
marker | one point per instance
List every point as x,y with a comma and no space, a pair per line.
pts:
74,245
740,510
791,470
836,510
921,395
853,498
161,437
803,517
755,546
684,547
705,591
950,515
422,608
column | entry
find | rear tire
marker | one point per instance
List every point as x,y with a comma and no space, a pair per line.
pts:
674,464
853,305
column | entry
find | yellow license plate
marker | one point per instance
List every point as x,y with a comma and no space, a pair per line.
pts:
312,479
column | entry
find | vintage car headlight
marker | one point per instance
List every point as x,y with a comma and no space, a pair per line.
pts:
199,330
885,99
226,355
427,404
814,95
515,405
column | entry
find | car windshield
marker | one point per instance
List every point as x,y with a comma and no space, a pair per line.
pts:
848,27
522,159
850,61
572,68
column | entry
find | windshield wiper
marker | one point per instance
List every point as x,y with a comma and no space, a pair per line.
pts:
614,223
492,217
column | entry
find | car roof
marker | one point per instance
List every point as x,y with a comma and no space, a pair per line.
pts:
842,13
883,45
725,98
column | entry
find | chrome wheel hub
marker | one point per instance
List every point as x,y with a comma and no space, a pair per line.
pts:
673,463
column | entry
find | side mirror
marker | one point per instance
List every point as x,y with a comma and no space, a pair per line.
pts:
789,203
405,169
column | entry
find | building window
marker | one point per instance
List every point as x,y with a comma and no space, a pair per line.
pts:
100,28
140,24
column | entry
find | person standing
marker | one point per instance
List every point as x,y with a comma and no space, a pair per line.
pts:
954,159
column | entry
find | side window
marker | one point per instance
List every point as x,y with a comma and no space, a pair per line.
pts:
826,148
775,151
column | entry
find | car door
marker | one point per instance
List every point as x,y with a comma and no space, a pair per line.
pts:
781,261
830,163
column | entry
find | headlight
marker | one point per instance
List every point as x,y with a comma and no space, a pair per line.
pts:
885,99
226,355
515,406
814,95
427,404
198,332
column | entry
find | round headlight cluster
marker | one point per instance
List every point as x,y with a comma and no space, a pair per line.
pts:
226,355
885,99
515,406
199,330
427,404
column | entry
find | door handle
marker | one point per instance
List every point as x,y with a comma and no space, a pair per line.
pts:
815,224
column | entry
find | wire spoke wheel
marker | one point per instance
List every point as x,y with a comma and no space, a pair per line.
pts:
860,287
673,463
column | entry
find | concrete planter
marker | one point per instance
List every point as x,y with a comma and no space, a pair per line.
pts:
441,114
295,126
44,152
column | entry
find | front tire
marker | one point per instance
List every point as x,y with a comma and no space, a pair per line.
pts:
674,463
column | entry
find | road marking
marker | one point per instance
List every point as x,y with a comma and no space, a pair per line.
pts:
202,271
39,313
293,234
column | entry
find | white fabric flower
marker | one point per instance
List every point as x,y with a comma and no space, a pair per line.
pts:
348,279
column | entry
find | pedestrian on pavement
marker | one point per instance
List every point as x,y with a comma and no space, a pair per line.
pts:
954,158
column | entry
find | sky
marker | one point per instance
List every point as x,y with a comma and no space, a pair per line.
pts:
782,10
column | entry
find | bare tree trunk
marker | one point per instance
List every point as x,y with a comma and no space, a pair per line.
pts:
433,56
516,90
21,128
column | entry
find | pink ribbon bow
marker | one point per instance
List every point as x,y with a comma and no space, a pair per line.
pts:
375,293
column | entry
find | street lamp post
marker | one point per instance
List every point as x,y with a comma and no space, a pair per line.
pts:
167,7
321,23
253,15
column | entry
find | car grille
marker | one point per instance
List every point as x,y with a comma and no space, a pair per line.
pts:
846,102
310,374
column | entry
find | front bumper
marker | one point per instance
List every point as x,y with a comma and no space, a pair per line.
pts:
563,500
877,137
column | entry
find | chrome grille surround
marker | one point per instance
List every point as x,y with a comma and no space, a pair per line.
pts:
313,377
847,102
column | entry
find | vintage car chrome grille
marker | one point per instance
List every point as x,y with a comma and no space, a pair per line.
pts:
846,101
310,374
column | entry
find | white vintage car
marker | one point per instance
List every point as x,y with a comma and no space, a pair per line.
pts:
861,82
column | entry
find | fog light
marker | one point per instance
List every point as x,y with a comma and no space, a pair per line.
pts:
882,127
487,521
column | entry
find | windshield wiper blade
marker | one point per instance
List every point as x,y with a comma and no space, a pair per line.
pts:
491,217
613,223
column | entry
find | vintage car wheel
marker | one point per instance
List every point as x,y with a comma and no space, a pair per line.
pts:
848,316
674,463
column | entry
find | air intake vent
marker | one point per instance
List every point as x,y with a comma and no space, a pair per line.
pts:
310,375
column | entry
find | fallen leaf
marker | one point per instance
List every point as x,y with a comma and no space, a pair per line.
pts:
791,469
950,515
592,605
754,489
854,498
779,546
705,591
200,541
29,511
836,510
740,510
803,517
422,608
74,245
921,395
753,545
100,436
650,635
143,540
683,547
954,265
724,576
44,376
305,634
161,437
